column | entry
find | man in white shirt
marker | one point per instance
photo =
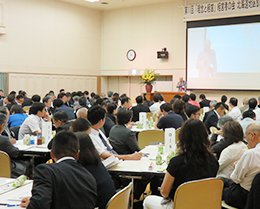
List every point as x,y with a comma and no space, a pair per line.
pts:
249,117
235,192
234,112
33,124
158,101
96,116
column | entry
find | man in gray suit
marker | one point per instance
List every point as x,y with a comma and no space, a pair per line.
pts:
121,137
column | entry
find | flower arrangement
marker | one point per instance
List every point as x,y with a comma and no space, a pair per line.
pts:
149,76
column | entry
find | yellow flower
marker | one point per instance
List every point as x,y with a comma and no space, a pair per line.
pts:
149,76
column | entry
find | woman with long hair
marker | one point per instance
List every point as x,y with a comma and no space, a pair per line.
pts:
194,162
90,159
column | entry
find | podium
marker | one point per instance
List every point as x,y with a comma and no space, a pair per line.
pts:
168,96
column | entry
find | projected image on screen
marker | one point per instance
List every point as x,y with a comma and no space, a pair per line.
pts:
224,57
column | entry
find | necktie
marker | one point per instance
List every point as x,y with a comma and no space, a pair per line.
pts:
109,149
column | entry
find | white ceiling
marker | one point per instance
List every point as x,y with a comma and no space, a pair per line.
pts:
114,4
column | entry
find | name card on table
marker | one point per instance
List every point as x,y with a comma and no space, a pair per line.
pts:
143,119
169,140
47,131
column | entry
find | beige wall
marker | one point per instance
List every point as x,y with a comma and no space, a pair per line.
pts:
47,36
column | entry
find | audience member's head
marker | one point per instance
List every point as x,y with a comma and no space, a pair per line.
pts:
62,91
202,96
194,142
252,135
223,98
193,112
220,108
16,109
110,94
233,102
20,99
36,98
63,97
60,118
160,97
125,102
65,144
223,120
88,153
212,104
249,114
232,132
38,109
3,121
82,113
80,124
5,111
193,97
83,101
57,103
13,93
47,101
245,101
111,108
2,93
165,108
185,98
96,116
178,106
252,103
11,98
139,99
124,116
156,97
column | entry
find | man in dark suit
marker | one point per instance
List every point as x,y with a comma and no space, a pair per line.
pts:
214,115
204,102
140,107
60,106
18,167
64,184
121,137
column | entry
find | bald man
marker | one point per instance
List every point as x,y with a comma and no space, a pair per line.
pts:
82,113
236,191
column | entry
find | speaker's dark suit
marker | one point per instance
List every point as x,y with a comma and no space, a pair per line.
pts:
63,185
137,109
123,140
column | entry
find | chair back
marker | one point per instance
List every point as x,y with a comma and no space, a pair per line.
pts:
120,199
202,194
15,130
5,163
149,137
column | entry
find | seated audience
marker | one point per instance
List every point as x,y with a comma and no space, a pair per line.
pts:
17,116
158,101
61,123
7,131
64,184
193,101
140,107
195,162
60,106
193,112
204,102
36,98
245,106
212,105
18,167
11,101
33,124
224,100
248,117
121,137
82,113
90,159
178,108
234,112
27,101
111,112
169,118
19,99
252,103
48,105
214,115
96,116
125,102
81,125
233,133
236,189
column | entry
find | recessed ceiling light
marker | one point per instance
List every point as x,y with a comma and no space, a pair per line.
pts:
92,1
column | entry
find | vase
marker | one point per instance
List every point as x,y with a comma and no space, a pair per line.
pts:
148,88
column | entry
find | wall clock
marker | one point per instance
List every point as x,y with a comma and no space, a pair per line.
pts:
131,55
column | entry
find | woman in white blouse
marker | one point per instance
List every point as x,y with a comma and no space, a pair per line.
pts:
232,132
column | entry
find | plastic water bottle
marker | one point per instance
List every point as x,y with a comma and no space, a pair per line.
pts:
158,159
19,181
